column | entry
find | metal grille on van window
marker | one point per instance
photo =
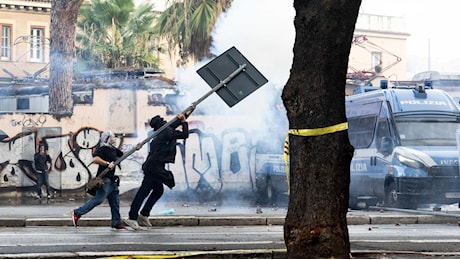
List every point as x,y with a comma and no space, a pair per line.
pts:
442,171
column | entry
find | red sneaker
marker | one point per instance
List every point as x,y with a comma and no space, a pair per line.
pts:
75,218
118,227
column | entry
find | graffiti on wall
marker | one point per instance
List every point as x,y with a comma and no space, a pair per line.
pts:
28,120
205,163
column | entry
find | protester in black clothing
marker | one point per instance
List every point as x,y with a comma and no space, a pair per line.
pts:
105,156
162,151
42,163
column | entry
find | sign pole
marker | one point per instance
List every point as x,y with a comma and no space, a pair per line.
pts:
186,112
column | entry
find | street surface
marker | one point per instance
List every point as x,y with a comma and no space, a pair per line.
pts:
43,229
438,241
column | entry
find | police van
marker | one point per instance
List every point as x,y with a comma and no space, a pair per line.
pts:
405,147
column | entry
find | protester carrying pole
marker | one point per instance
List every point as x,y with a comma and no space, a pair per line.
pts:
162,151
105,156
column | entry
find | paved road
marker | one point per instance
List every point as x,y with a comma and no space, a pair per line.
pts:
437,241
34,230
99,241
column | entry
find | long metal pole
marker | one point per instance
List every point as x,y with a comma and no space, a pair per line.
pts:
186,112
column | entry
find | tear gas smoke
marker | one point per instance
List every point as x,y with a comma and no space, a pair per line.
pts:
263,31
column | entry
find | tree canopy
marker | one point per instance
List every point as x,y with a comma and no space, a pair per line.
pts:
187,25
116,33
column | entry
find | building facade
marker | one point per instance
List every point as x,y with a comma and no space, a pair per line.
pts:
25,27
378,50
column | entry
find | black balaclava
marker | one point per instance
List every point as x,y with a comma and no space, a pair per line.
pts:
156,122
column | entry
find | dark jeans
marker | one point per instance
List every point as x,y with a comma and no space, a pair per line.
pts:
149,185
42,178
109,191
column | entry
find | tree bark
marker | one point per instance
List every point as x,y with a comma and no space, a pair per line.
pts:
314,97
64,14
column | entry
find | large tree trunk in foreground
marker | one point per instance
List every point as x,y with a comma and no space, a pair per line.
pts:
64,14
314,97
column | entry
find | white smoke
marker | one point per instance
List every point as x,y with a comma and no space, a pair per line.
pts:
263,31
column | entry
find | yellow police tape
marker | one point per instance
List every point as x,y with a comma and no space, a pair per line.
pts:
308,132
319,131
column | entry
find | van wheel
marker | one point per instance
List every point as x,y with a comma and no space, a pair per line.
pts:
353,203
356,204
267,194
392,200
391,196
269,191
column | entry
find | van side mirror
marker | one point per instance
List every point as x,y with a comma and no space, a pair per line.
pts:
386,145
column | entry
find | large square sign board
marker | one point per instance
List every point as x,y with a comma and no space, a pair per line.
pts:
241,85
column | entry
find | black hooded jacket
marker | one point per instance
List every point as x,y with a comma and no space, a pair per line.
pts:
163,147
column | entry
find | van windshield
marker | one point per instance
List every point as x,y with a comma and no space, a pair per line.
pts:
427,132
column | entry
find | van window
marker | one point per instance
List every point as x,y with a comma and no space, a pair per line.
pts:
362,118
383,140
356,108
361,130
426,132
383,137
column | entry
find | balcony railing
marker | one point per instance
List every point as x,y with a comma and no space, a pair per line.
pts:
21,1
37,5
381,23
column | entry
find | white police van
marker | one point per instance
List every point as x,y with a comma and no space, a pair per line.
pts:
405,147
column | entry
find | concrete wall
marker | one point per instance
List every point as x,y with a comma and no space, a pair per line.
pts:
218,157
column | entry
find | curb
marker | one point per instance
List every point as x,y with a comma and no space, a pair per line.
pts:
233,254
226,220
156,221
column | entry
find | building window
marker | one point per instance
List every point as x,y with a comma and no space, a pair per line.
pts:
23,104
6,42
36,45
82,97
376,59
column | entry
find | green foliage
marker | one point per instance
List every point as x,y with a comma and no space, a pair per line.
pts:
187,25
116,33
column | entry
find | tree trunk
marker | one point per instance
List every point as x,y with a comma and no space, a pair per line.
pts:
314,97
64,14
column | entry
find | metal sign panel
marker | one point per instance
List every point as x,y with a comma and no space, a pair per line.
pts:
231,75
241,85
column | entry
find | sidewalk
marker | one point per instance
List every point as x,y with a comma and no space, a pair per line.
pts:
166,213
57,213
